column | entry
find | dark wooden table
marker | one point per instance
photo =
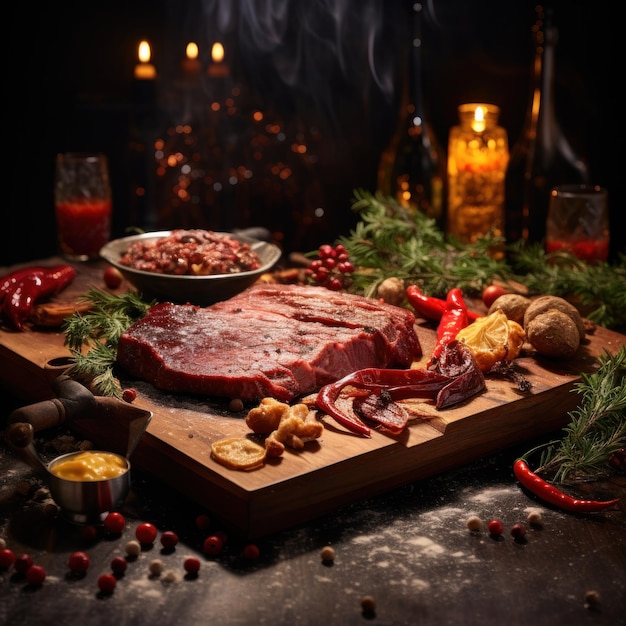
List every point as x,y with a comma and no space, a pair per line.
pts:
410,549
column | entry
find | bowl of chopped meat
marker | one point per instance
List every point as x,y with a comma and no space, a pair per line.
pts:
196,266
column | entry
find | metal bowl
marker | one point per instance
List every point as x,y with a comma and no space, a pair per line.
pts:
200,290
87,501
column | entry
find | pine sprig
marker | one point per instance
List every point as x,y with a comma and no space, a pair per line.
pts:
92,337
597,428
390,241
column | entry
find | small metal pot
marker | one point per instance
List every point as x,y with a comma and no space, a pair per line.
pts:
87,501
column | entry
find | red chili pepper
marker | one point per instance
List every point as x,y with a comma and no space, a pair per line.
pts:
429,307
39,283
552,495
454,318
9,281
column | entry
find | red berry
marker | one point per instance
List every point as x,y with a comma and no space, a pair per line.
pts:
119,564
169,539
78,562
35,575
212,545
146,533
203,521
22,563
114,523
106,583
192,565
518,531
222,535
491,293
250,552
7,558
129,395
495,527
112,277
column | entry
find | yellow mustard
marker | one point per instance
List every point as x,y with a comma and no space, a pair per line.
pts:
90,466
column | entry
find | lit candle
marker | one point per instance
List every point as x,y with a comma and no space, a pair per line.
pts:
218,68
144,70
478,155
191,64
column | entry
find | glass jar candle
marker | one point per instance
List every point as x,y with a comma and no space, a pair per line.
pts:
478,155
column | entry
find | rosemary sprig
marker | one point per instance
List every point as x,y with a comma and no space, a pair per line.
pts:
92,337
598,425
389,241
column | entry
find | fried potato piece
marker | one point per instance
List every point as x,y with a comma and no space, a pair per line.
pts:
238,453
287,425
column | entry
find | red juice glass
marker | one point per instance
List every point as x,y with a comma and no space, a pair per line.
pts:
82,196
578,222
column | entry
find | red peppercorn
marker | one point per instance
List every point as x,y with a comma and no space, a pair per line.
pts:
22,563
106,583
129,395
78,562
114,523
169,539
119,564
7,558
212,545
35,575
146,533
192,565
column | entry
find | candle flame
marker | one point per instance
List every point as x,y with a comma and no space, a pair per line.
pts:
192,50
217,52
479,124
144,52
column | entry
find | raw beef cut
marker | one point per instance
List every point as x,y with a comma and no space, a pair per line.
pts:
282,341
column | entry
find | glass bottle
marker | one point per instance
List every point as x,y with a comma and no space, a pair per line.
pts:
478,155
412,168
542,157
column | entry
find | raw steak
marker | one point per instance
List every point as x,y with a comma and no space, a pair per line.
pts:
282,341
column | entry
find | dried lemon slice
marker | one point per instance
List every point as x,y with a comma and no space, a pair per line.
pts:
493,338
238,453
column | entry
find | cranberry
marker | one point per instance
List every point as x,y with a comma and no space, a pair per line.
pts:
495,527
7,558
129,395
146,533
22,563
192,565
212,545
35,575
169,539
78,562
112,277
119,564
251,552
106,583
114,523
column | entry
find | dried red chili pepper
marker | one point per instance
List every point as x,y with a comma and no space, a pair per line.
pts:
552,495
9,281
454,318
20,298
429,307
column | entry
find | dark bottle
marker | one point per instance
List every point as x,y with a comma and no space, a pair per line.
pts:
542,157
412,168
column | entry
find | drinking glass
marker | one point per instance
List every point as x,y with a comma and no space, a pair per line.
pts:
578,221
82,198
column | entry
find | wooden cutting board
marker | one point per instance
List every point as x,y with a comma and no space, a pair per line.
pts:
337,469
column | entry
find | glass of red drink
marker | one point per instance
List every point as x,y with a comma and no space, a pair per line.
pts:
578,222
82,197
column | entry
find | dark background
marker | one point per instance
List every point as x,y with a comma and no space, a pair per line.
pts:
69,86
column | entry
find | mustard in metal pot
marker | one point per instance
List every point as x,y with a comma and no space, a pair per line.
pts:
90,466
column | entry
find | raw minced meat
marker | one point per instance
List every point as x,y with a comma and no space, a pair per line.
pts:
192,252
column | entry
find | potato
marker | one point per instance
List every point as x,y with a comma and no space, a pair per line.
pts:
553,333
513,305
545,303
